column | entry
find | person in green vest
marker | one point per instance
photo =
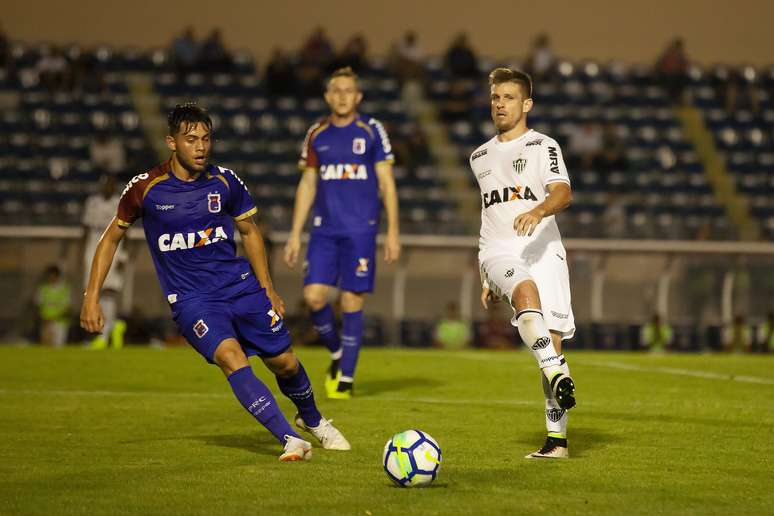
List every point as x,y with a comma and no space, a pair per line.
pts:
656,336
53,301
766,334
452,332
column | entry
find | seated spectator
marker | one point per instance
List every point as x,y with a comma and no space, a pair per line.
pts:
315,59
353,55
108,153
461,60
612,156
737,336
614,216
585,145
496,331
281,80
452,332
459,101
53,70
213,56
671,69
657,335
408,58
541,59
53,302
184,51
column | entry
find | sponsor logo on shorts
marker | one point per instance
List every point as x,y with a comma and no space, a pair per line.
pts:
362,267
519,165
509,273
554,414
245,274
172,298
213,202
359,146
200,328
559,316
276,321
539,141
478,154
541,343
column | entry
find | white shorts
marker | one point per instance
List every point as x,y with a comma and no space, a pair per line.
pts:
503,271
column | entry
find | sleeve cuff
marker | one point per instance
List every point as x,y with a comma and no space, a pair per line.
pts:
248,213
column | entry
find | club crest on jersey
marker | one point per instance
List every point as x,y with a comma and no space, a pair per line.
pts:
200,328
519,165
359,146
507,194
213,202
276,323
362,267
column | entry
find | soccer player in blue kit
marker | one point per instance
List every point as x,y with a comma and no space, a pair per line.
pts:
224,305
346,162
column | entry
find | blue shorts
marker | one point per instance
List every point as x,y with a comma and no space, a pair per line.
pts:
246,317
344,261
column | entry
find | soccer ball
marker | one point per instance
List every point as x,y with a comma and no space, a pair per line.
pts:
412,458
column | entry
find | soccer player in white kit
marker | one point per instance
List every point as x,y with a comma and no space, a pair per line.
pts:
524,183
98,211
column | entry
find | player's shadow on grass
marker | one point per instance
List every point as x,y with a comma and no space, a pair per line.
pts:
262,445
582,440
371,387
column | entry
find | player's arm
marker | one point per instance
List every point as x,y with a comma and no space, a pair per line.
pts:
92,319
559,197
390,199
305,193
255,250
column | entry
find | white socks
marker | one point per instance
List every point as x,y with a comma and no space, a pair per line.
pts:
534,333
556,417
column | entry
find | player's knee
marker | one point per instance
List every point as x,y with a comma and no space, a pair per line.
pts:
284,366
315,300
525,295
352,301
230,358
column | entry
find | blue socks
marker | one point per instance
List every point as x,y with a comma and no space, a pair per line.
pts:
324,321
259,401
299,390
351,335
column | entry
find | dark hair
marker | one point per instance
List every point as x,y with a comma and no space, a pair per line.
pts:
501,75
345,71
189,114
53,269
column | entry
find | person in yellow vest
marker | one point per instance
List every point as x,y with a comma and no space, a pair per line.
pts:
452,332
766,334
737,336
53,301
656,336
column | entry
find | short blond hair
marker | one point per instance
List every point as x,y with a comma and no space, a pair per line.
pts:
345,71
501,75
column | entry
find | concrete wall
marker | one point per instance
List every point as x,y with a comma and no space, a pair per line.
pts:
720,31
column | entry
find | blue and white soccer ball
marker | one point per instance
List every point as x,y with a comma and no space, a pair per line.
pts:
412,458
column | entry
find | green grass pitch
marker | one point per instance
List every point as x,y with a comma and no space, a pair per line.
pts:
145,431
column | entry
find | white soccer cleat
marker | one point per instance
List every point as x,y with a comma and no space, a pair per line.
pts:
554,448
329,436
296,449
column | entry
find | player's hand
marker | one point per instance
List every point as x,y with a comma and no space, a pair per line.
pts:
292,248
392,248
92,319
486,295
526,223
277,304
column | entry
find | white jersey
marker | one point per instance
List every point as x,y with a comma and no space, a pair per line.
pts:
97,214
513,177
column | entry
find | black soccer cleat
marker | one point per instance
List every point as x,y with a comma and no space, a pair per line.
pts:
564,391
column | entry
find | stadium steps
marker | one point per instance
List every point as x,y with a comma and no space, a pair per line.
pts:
718,176
444,153
148,105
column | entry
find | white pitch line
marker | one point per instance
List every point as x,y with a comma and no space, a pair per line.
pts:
678,371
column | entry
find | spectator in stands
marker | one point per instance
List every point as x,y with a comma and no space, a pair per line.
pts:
766,334
495,332
671,70
53,70
353,55
107,153
612,157
585,145
86,74
452,332
541,59
53,301
5,49
281,80
213,56
185,51
657,335
614,216
315,59
459,101
736,92
409,145
408,58
461,60
737,336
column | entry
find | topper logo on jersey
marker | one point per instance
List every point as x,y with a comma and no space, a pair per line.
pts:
173,242
343,171
213,202
507,194
553,158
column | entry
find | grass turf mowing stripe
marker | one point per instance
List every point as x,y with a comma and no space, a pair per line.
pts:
680,372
